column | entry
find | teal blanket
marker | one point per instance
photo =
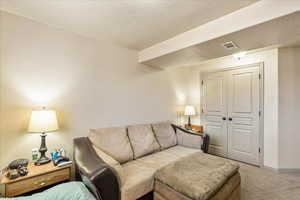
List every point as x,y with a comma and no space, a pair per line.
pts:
64,191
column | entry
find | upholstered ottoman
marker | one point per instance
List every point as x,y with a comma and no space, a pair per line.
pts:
198,177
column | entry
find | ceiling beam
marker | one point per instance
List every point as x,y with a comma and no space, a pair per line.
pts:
257,13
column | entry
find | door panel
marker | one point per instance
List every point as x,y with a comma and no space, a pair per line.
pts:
214,94
242,93
243,108
218,138
214,109
242,140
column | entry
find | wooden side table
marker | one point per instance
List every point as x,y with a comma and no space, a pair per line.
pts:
196,128
37,177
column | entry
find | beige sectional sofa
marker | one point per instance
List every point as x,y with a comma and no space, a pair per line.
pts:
136,152
130,156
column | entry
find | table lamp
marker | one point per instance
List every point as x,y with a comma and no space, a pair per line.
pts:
189,111
43,121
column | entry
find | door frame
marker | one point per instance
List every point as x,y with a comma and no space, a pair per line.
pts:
261,99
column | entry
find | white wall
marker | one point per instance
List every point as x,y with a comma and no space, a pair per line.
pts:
1,115
90,83
289,108
270,60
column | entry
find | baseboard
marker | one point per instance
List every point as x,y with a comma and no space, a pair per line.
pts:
296,170
270,168
283,170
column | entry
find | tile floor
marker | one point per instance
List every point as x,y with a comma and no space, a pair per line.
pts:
267,184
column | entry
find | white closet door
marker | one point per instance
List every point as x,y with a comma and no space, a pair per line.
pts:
214,110
243,115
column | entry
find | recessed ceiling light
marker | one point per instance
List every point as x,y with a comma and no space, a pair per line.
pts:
240,54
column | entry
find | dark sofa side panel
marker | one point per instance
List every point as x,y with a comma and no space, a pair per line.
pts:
101,179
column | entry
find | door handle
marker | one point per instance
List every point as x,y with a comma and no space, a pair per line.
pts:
224,118
230,119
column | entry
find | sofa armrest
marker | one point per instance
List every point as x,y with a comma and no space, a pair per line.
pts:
98,176
190,139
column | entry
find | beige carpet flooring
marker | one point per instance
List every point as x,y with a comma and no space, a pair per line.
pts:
267,184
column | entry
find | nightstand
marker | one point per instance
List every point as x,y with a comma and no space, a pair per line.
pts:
37,177
195,128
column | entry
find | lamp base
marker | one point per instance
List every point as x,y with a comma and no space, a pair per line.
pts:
189,126
43,149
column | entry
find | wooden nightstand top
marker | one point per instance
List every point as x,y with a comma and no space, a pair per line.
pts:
195,128
33,171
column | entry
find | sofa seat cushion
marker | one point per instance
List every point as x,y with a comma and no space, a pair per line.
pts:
198,176
113,141
230,190
165,134
142,140
138,180
165,157
138,175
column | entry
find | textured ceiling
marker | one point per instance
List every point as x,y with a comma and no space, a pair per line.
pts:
280,32
135,24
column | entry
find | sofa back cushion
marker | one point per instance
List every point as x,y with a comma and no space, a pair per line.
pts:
165,134
113,141
142,140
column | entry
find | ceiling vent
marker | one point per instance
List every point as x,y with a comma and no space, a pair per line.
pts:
229,45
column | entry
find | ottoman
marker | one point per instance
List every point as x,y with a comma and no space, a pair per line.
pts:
198,177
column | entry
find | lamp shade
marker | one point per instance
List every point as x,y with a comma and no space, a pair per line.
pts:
189,110
42,121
